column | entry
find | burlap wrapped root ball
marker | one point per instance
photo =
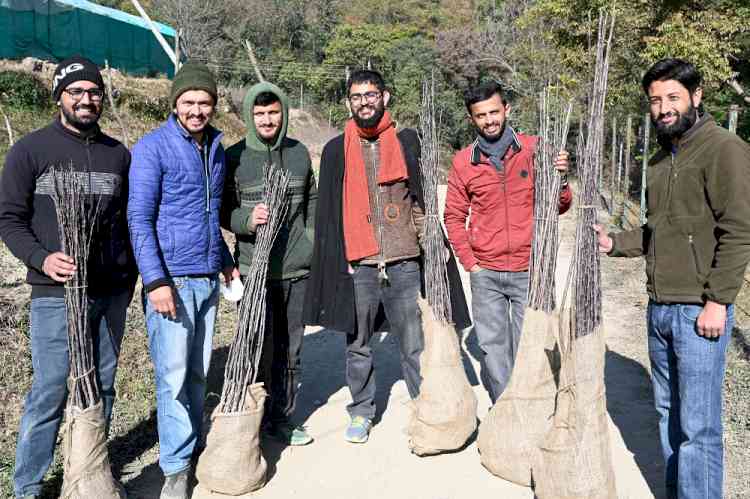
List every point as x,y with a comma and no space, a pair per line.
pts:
576,460
232,463
444,415
511,434
87,472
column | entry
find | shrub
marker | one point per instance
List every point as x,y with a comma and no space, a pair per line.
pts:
21,89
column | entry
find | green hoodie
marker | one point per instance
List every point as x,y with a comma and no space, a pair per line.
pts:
243,190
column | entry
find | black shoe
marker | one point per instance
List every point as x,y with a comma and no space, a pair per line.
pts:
176,486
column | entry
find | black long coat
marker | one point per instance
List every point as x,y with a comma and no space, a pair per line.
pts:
329,301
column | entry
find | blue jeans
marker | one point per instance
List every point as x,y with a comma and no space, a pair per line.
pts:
399,299
45,402
687,371
181,353
498,300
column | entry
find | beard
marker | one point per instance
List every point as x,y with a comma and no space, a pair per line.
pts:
373,120
683,123
493,138
82,124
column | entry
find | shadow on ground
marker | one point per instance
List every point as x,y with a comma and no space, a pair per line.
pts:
630,405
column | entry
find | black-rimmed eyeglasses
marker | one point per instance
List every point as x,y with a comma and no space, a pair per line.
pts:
369,97
95,94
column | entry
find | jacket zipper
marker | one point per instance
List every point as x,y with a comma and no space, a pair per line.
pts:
694,252
507,221
667,202
206,157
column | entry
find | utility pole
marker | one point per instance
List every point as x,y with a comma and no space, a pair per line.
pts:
155,31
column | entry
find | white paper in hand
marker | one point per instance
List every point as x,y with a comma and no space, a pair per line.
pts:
234,291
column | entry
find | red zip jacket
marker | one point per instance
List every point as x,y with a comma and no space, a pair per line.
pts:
498,235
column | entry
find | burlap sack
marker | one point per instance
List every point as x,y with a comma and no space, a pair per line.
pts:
511,434
575,457
444,414
87,471
232,463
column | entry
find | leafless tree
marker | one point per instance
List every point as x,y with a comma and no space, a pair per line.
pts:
206,27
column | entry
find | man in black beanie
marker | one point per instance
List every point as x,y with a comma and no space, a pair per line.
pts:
28,226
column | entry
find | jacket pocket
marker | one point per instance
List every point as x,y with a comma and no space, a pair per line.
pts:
694,254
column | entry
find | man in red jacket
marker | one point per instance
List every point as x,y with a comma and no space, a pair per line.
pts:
491,183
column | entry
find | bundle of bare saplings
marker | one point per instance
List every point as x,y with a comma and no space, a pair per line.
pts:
575,456
445,412
232,462
512,433
87,471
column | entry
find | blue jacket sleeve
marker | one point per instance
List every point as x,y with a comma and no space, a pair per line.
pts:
144,195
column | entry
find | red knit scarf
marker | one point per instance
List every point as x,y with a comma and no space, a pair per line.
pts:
359,234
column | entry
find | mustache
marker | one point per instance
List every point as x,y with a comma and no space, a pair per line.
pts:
669,114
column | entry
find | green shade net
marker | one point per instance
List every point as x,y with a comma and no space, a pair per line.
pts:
56,29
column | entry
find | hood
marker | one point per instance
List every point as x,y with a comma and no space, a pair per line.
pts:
252,139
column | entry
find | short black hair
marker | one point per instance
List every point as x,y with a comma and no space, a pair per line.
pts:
266,99
673,69
361,76
484,91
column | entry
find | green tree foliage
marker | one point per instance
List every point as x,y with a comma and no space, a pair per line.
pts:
306,45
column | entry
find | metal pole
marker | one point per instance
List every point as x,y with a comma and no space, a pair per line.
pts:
177,51
734,111
646,131
155,31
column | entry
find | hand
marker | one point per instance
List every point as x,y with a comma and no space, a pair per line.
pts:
230,273
162,299
712,319
59,266
259,216
475,268
561,162
605,242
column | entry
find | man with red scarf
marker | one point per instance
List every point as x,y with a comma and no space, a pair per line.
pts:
367,252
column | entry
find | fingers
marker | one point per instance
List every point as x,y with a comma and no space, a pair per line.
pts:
561,161
162,299
260,214
59,266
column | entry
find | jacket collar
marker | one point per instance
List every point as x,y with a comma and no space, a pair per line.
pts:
476,152
90,136
211,133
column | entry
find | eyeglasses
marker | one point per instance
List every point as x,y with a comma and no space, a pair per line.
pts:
95,94
369,97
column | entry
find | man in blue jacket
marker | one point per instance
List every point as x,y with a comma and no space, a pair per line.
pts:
176,182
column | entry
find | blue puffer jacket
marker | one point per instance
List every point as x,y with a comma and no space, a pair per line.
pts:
173,205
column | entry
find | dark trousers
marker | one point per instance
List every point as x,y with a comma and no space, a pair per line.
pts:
281,360
399,299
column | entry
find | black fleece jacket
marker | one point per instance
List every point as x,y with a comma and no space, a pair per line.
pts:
28,220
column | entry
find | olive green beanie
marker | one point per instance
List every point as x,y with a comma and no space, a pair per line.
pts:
192,76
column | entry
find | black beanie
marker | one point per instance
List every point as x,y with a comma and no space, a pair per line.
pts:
72,69
192,76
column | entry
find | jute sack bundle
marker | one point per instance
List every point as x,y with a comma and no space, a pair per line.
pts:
444,414
232,463
87,471
511,434
576,460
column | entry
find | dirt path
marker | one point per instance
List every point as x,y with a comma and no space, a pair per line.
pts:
332,468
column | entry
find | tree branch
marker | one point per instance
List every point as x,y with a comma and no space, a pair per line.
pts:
737,87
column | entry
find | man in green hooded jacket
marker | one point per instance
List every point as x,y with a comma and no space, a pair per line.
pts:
266,113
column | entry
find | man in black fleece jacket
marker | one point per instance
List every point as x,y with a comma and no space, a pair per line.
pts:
28,226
